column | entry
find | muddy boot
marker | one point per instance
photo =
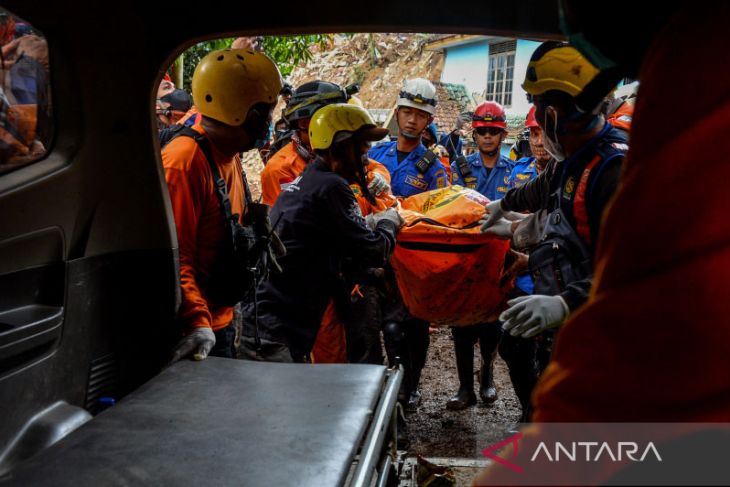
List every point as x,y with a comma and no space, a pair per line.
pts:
464,351
462,400
414,400
487,391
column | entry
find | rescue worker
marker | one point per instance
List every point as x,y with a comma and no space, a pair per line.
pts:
284,167
486,171
172,107
664,372
287,163
321,226
589,154
525,357
413,169
235,92
410,173
350,330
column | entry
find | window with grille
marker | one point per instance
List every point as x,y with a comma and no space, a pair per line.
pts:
501,72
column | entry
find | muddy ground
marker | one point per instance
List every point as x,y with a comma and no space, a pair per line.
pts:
435,431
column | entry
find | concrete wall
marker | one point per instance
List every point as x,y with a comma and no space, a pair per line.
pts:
524,50
467,65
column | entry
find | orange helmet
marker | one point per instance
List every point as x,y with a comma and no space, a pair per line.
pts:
489,114
531,121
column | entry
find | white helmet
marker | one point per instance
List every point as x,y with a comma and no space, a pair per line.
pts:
418,93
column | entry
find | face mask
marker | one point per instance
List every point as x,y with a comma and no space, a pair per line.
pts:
268,130
552,147
409,135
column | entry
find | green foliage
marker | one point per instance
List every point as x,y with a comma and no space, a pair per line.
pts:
286,51
289,51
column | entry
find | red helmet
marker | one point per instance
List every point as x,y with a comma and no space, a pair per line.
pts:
489,114
531,121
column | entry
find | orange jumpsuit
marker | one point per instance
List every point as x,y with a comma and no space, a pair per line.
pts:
198,219
283,168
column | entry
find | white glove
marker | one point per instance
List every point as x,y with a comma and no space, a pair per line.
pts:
389,214
378,185
501,229
463,119
199,343
530,315
515,216
494,212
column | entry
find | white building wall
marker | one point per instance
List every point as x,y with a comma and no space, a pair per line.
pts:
524,50
467,65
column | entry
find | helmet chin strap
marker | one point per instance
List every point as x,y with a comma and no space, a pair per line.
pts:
409,135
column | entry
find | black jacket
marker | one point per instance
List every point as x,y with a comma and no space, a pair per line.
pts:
320,223
557,186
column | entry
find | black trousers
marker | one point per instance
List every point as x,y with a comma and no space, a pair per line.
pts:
465,337
407,342
225,342
363,325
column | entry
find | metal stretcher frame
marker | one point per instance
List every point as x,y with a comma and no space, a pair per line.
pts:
224,422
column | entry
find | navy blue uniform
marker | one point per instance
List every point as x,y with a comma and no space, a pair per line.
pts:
320,223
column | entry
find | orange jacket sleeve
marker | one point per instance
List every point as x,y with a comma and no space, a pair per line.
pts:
184,182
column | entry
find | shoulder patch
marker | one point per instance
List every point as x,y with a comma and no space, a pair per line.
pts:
620,146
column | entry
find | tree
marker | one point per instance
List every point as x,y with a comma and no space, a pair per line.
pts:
286,51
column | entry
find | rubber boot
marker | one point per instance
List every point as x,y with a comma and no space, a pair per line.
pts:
489,338
487,390
418,340
464,351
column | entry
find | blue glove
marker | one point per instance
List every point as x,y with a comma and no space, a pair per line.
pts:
529,315
198,343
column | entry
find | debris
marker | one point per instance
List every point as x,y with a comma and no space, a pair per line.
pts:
431,475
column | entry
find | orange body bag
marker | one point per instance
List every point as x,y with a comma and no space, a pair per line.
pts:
448,272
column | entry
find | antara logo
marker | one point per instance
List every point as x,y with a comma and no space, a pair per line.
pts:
592,452
577,451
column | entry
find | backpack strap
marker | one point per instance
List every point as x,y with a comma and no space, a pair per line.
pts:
605,151
221,189
580,209
425,161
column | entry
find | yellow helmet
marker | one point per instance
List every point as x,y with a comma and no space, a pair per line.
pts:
343,119
355,101
227,83
558,66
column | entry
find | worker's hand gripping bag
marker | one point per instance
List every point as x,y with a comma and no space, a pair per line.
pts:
448,272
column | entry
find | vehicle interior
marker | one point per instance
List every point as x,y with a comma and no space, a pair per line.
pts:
89,278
